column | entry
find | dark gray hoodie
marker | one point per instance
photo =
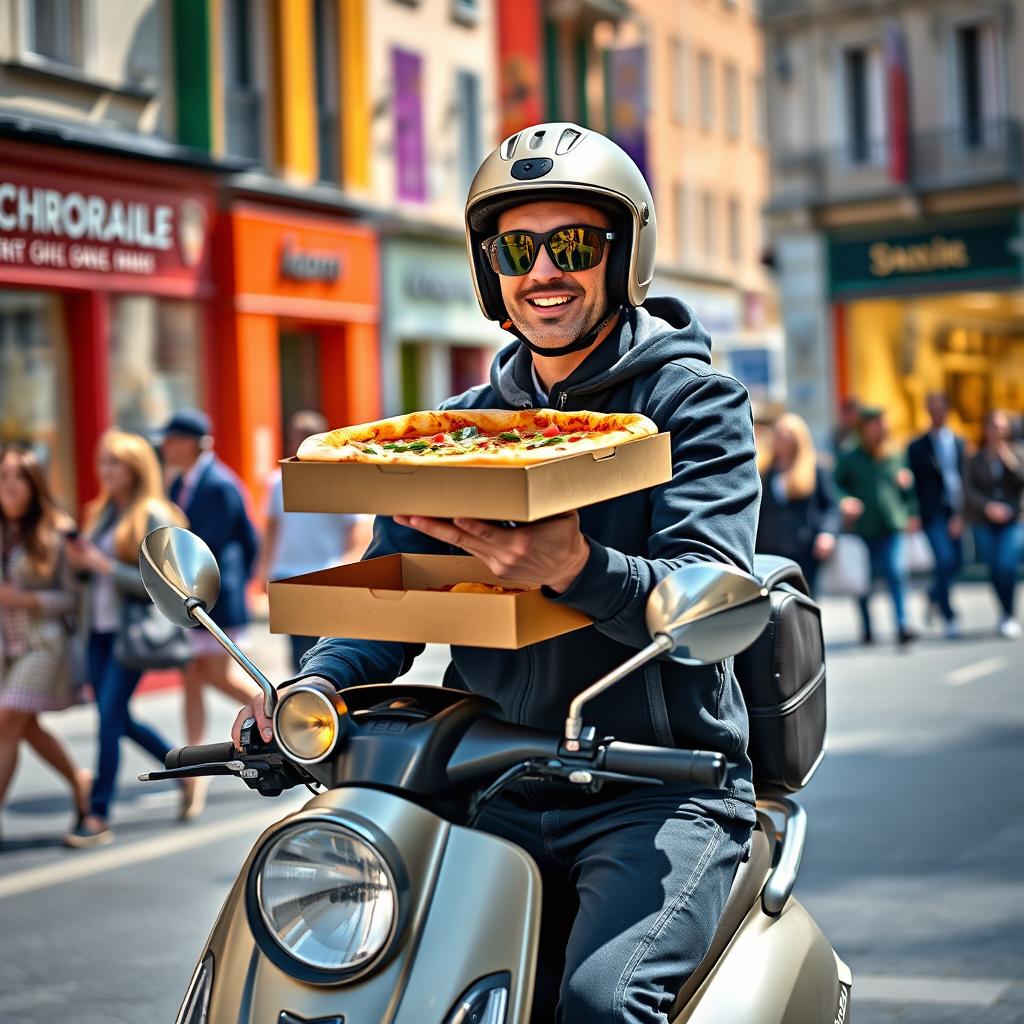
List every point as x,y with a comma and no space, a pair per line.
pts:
657,362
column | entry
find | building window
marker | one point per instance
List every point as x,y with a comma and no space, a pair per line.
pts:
409,147
679,71
760,108
977,77
706,88
467,99
53,29
731,93
243,98
467,12
325,42
680,199
864,84
710,225
735,231
156,360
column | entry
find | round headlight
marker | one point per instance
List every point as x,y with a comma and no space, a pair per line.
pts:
306,724
326,897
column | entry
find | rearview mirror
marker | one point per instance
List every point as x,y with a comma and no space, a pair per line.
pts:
709,612
178,569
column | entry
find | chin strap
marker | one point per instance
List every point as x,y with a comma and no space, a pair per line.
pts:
584,341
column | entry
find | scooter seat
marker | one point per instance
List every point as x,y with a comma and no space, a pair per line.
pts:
746,888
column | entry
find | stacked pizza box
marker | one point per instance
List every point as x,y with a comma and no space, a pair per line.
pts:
407,597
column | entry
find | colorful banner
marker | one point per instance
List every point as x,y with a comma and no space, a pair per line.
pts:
410,163
898,89
626,82
520,43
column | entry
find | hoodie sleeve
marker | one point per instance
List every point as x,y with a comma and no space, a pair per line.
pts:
706,512
356,662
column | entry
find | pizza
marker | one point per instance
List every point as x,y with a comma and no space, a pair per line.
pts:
477,588
479,437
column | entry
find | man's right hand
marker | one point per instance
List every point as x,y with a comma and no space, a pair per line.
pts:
254,709
851,508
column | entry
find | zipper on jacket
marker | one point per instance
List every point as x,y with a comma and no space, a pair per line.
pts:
561,400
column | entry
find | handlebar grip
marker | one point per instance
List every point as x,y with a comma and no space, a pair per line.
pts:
687,767
188,757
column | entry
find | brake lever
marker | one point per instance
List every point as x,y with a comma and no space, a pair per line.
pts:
197,770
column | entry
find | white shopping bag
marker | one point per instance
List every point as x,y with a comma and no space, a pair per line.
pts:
848,571
917,553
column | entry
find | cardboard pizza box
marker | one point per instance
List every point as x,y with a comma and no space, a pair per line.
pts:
388,598
520,494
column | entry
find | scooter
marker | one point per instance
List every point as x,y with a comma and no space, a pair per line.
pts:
379,902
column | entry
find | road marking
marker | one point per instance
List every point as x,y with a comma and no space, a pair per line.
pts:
884,988
975,671
82,863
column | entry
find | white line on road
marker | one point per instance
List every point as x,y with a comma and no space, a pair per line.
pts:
83,864
884,988
975,671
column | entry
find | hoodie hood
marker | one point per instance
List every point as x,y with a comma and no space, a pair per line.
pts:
661,331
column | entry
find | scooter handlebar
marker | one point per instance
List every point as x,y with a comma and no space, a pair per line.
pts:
687,767
205,753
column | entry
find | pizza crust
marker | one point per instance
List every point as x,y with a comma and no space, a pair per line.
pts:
614,428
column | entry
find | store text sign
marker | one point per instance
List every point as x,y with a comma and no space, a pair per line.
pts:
57,224
949,256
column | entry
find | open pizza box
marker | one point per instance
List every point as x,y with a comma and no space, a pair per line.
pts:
520,494
390,598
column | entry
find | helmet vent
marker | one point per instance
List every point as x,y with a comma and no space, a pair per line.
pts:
508,147
537,141
567,141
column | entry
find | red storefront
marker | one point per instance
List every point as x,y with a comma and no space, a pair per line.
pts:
105,312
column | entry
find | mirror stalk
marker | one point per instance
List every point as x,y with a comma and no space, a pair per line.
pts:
574,723
199,613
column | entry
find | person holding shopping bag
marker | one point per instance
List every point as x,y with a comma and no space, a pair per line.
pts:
126,633
37,601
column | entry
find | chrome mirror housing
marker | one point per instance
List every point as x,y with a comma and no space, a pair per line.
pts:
178,571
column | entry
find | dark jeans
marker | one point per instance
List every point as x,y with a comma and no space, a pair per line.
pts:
301,644
114,685
1000,548
949,558
633,889
886,554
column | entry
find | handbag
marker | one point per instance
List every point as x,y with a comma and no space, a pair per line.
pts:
848,571
917,553
146,640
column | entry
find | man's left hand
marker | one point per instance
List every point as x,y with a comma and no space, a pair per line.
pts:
551,552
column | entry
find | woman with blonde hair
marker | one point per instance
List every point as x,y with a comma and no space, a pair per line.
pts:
37,599
130,504
799,515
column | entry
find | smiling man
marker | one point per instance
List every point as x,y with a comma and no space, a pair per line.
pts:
561,234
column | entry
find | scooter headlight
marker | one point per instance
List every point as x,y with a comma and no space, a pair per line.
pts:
307,723
326,897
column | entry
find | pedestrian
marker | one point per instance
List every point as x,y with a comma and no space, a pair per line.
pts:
130,504
799,513
994,498
211,497
299,542
877,501
38,600
845,435
936,460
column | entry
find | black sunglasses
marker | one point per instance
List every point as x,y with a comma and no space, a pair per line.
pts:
573,247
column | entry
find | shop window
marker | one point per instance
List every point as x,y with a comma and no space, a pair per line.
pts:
977,78
299,360
731,97
469,367
864,94
35,403
156,360
325,41
243,95
706,90
53,29
467,100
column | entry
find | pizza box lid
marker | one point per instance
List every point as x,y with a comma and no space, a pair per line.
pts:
520,494
388,598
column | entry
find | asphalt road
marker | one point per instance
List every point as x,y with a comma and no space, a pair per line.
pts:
913,865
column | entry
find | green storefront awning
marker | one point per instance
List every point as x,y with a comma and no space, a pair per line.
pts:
948,255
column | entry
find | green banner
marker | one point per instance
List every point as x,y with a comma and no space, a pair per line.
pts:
944,256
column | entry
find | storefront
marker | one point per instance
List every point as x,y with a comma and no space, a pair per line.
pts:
297,329
104,302
435,340
936,308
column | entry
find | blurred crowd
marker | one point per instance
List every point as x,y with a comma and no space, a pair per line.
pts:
870,509
76,623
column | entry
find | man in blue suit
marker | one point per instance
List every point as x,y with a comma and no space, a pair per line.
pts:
212,498
937,460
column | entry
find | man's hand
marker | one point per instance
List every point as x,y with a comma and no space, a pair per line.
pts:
955,527
824,545
851,508
551,552
254,709
998,512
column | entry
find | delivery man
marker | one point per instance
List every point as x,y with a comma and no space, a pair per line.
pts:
561,234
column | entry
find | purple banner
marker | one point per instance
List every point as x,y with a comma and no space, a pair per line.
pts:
627,102
410,166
